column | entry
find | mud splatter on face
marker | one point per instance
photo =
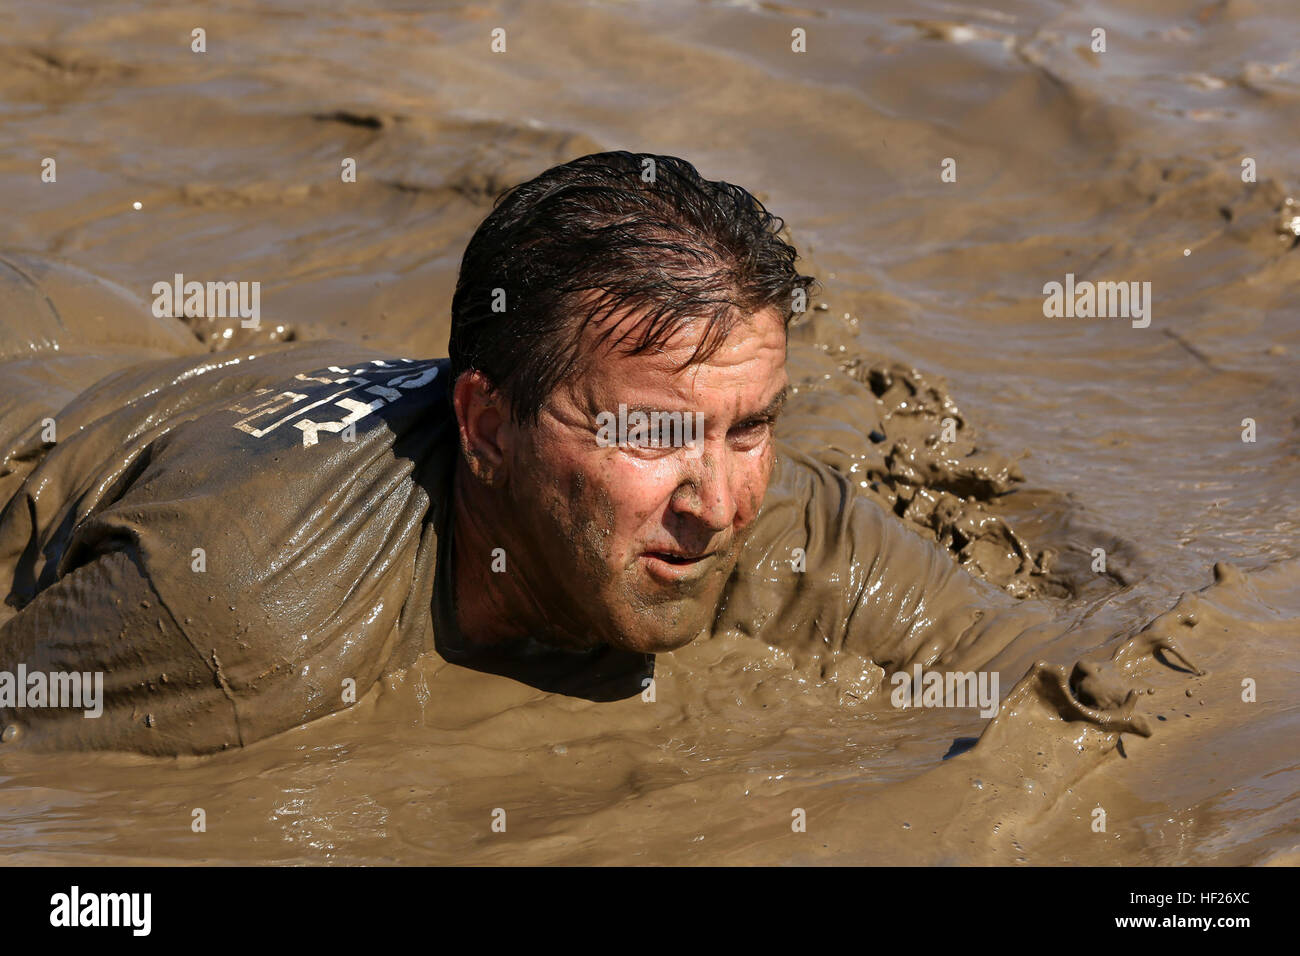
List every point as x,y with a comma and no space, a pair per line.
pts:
652,532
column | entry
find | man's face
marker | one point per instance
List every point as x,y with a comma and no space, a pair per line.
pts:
631,545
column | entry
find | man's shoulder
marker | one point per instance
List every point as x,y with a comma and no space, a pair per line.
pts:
279,424
310,405
251,466
162,389
305,448
314,499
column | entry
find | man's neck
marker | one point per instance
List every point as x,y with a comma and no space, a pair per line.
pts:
484,606
494,602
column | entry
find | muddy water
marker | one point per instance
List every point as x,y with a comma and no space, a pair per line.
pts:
1075,434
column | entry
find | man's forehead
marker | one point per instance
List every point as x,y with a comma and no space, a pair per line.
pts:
607,339
607,367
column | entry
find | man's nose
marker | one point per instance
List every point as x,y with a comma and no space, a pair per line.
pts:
705,492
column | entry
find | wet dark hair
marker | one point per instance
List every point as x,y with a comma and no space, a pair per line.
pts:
592,237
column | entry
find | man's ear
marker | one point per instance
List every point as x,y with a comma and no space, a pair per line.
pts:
482,419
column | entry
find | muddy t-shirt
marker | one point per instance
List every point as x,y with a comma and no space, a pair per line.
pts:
240,543
830,573
243,543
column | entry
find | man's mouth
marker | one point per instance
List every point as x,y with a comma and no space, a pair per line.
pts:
680,558
677,566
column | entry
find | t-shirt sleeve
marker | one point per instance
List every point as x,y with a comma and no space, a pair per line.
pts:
827,570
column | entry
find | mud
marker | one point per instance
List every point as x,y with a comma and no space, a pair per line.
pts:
1125,690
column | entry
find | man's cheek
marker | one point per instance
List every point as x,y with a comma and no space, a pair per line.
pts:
639,493
753,491
629,534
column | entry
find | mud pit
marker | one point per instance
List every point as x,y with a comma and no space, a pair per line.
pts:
1070,434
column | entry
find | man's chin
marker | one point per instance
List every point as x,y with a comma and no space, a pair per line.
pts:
654,643
644,620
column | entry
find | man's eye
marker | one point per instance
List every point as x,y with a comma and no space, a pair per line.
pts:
752,428
648,439
652,442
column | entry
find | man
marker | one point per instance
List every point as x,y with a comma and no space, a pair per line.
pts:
244,544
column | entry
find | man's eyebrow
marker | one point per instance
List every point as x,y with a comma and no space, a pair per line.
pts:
650,409
771,410
774,407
